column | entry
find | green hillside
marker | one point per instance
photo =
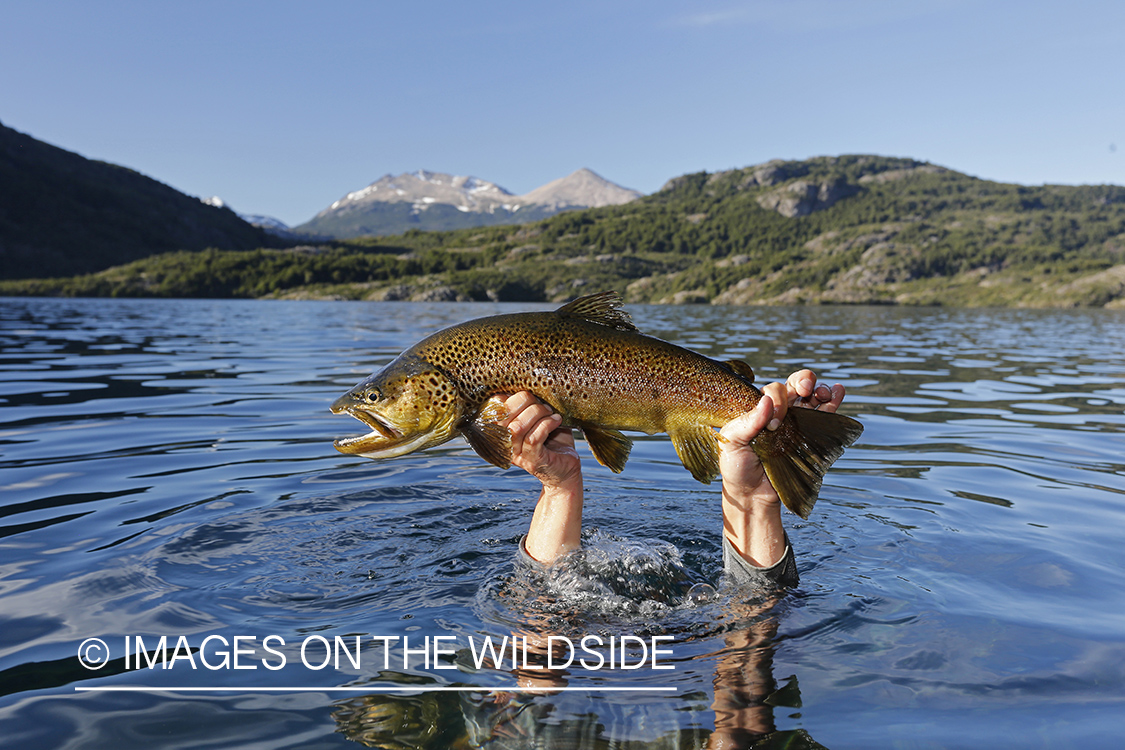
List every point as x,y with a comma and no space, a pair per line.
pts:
849,229
62,214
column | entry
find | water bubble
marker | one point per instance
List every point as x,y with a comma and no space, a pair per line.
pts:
700,593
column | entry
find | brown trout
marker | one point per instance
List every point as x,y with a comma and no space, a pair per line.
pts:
590,364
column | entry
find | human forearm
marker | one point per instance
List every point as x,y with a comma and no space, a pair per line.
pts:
556,525
751,508
752,524
542,448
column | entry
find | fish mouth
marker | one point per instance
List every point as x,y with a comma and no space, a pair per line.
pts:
382,437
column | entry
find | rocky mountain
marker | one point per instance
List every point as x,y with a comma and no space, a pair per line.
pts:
582,189
434,200
62,214
268,224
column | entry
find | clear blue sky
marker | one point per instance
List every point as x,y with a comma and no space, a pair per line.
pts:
282,107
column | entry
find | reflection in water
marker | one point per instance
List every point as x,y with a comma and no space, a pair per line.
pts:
403,722
610,581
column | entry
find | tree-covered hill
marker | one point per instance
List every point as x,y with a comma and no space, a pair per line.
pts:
848,229
62,214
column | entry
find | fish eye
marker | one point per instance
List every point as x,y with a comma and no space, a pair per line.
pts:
373,395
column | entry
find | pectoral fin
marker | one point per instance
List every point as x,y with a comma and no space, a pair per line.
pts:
610,447
698,448
488,437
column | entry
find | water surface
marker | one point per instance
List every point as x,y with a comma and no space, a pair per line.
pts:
166,469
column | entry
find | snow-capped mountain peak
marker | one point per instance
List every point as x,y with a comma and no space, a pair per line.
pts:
423,188
268,223
435,200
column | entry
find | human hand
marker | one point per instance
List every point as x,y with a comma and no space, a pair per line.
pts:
751,506
539,445
742,472
801,389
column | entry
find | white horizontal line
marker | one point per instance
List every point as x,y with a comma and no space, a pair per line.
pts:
368,689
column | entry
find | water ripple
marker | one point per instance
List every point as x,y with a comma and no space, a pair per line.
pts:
167,469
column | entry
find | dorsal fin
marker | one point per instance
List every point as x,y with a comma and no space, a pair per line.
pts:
603,308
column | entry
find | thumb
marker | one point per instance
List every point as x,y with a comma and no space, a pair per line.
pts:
741,430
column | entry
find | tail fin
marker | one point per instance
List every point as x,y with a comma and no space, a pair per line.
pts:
799,453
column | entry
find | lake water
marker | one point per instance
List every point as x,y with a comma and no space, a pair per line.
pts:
166,469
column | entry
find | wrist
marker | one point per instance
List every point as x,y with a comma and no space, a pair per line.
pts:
752,524
750,499
563,487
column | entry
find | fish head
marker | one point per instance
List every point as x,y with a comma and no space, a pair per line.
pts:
409,405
